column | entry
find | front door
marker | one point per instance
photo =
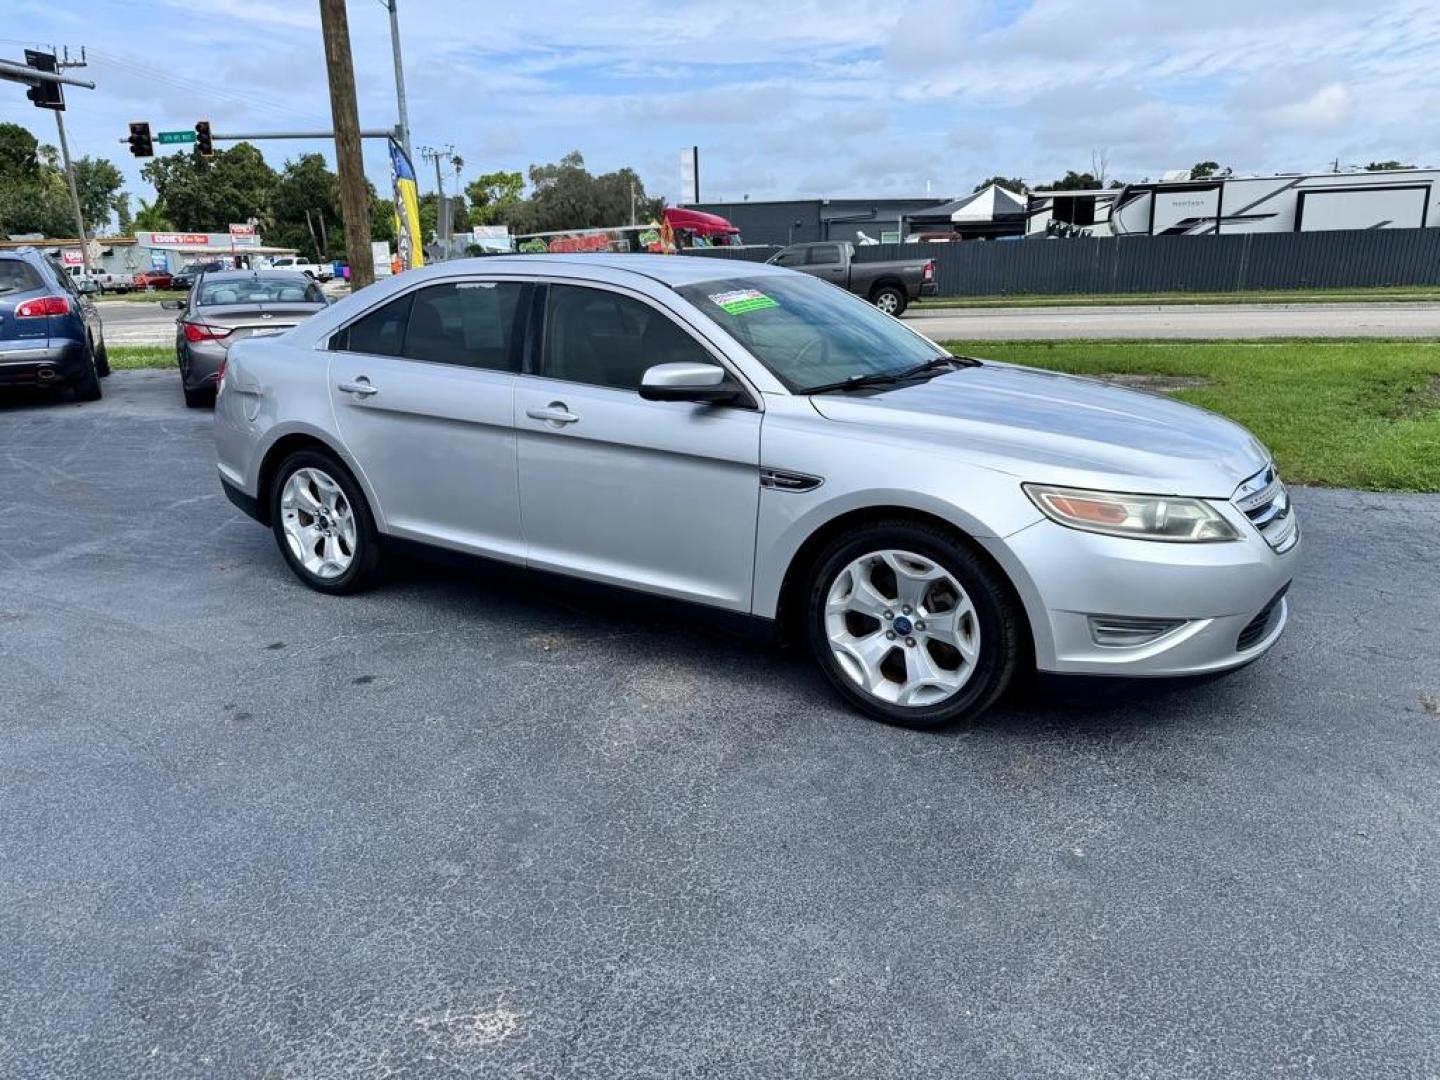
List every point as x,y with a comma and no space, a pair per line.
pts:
422,389
657,495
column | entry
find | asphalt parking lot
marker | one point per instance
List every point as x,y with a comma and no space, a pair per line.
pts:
480,826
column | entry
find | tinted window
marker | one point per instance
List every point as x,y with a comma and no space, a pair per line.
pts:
259,290
824,255
17,276
382,332
605,339
791,258
470,323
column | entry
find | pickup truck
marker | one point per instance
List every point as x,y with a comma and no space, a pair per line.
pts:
889,285
317,271
99,282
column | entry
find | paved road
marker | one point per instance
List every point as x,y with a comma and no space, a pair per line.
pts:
472,826
146,324
1181,321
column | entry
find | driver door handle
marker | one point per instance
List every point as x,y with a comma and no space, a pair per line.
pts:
555,413
360,387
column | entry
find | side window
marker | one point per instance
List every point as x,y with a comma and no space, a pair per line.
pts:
382,332
467,323
791,258
606,339
825,255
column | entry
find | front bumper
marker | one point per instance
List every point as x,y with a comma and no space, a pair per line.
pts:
1215,592
56,362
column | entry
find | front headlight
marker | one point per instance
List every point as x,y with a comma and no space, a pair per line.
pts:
1141,517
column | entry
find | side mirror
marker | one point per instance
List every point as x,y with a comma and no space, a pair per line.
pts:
687,382
172,305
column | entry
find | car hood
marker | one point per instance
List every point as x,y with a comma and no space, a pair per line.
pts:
1062,429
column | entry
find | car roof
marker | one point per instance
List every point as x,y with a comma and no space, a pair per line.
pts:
672,270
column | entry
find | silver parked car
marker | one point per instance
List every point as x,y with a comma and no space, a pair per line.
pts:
749,438
227,306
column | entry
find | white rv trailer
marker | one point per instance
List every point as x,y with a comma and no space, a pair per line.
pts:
1069,213
1318,202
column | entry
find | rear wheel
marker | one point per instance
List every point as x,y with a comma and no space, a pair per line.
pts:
87,383
323,524
911,625
889,299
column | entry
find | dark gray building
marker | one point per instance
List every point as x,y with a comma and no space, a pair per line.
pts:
795,220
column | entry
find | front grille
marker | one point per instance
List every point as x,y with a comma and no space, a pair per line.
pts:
1266,502
1256,629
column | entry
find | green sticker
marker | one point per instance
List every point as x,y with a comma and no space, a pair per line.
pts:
742,300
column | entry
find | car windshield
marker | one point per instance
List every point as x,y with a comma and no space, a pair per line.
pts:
259,290
808,332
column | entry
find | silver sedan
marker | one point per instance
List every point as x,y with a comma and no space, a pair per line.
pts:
226,307
754,440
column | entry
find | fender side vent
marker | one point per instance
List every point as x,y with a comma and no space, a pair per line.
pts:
788,481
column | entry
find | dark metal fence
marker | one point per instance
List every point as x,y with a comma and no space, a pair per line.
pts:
1161,264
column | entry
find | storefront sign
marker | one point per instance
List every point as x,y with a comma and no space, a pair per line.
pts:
178,239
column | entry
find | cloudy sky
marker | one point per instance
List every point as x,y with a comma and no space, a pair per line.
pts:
787,98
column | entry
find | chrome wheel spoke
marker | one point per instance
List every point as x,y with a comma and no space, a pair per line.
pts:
902,628
319,525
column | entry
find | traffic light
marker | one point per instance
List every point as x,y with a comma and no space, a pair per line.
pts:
203,145
140,143
44,95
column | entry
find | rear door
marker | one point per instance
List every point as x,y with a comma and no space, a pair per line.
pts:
422,388
657,495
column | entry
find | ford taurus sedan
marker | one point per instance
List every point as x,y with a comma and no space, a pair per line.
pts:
752,439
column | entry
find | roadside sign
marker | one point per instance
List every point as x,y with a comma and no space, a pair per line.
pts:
890,237
242,230
168,137
71,257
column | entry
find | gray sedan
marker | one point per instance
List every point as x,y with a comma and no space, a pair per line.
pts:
229,306
750,439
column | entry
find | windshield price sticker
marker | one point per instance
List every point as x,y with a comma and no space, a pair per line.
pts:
742,301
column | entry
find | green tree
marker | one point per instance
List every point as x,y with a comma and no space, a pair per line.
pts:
1072,181
209,194
307,186
1015,184
124,223
1380,166
1203,169
566,196
98,183
493,195
152,217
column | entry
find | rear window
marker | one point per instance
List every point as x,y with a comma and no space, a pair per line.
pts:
259,290
17,275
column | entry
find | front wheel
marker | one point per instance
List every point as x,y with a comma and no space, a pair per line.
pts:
911,625
323,524
890,300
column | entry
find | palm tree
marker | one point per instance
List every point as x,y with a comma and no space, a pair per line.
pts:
151,217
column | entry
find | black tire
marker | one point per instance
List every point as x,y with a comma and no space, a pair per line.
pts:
365,565
86,385
204,398
1000,634
102,360
890,294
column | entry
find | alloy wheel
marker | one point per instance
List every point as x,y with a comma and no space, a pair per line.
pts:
887,302
319,523
902,628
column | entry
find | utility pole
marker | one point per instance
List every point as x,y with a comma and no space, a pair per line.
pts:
442,204
345,115
399,78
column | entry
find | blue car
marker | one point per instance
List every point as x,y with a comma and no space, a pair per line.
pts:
50,335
